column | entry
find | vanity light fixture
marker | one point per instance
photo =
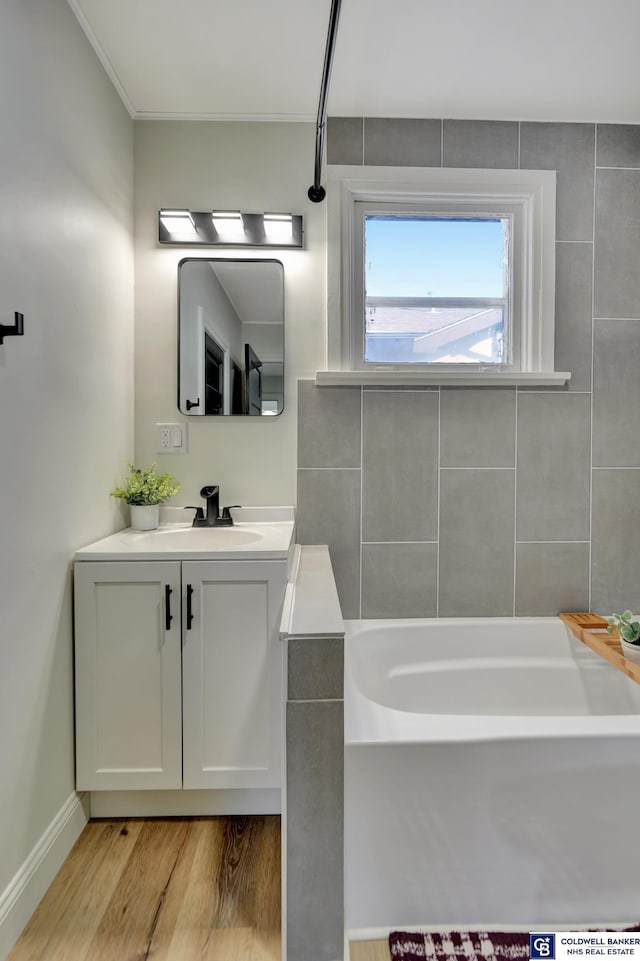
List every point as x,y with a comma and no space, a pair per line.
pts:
179,225
230,228
229,224
278,227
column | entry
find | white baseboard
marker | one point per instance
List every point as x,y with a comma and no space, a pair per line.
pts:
158,804
24,892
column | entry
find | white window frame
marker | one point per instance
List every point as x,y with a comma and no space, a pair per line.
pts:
527,196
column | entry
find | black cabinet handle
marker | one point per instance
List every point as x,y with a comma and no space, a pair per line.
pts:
168,616
189,610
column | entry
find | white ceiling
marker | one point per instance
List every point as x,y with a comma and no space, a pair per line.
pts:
574,60
255,289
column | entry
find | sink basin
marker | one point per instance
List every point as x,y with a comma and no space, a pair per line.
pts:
258,533
193,538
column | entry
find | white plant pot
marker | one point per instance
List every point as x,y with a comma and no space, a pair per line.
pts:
144,517
630,651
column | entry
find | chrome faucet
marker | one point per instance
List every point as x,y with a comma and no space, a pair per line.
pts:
212,518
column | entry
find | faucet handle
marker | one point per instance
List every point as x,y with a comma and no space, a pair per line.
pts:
199,515
226,520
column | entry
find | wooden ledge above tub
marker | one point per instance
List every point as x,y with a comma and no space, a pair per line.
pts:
591,629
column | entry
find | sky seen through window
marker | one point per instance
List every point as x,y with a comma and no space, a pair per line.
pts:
427,257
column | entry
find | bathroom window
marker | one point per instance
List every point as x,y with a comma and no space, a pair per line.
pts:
441,270
436,288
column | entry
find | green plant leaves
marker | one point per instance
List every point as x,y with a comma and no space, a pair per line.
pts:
629,630
144,485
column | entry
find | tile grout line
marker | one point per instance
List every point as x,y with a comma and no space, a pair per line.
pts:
361,532
515,504
402,543
432,387
438,505
315,700
607,167
552,542
482,468
593,329
385,543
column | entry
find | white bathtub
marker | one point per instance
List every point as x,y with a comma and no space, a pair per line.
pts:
492,775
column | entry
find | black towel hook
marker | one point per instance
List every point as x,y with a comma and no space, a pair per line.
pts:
316,192
15,330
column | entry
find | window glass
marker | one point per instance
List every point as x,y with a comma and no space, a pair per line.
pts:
436,289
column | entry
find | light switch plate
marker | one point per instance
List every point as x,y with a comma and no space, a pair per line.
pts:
171,438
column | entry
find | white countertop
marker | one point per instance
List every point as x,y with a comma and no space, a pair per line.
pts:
257,534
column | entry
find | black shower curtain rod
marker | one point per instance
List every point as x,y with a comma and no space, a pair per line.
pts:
317,193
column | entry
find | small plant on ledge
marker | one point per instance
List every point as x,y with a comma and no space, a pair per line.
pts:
629,633
628,629
144,486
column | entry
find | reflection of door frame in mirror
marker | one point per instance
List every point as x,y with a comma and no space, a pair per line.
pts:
227,361
213,361
252,363
191,346
200,355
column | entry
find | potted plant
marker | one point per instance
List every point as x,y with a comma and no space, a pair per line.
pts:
629,633
144,490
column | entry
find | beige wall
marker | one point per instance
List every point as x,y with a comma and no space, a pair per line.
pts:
252,167
66,387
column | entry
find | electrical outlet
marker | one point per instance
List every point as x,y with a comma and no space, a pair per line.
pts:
171,438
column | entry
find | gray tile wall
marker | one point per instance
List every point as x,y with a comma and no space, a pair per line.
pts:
471,501
315,791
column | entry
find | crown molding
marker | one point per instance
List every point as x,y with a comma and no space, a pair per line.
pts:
224,117
101,55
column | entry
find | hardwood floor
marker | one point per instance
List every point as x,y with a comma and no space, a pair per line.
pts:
166,890
369,951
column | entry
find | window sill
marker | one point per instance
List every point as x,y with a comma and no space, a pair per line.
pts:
399,378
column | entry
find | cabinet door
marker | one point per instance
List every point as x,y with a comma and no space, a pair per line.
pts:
232,674
128,685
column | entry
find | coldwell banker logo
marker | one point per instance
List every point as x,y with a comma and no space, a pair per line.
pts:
542,946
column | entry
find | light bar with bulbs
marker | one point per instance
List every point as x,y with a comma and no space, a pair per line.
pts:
229,228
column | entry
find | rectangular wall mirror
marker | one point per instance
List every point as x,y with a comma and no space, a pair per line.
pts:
230,337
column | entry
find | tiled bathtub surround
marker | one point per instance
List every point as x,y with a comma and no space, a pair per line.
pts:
315,763
483,501
463,502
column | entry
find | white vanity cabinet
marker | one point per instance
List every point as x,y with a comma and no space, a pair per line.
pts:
232,663
178,674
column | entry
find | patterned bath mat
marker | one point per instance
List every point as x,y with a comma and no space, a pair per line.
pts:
463,945
459,946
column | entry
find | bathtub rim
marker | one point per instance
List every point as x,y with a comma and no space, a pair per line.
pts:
367,723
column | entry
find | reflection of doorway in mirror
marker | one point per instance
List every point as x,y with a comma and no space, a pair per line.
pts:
219,375
253,382
236,388
236,304
213,376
